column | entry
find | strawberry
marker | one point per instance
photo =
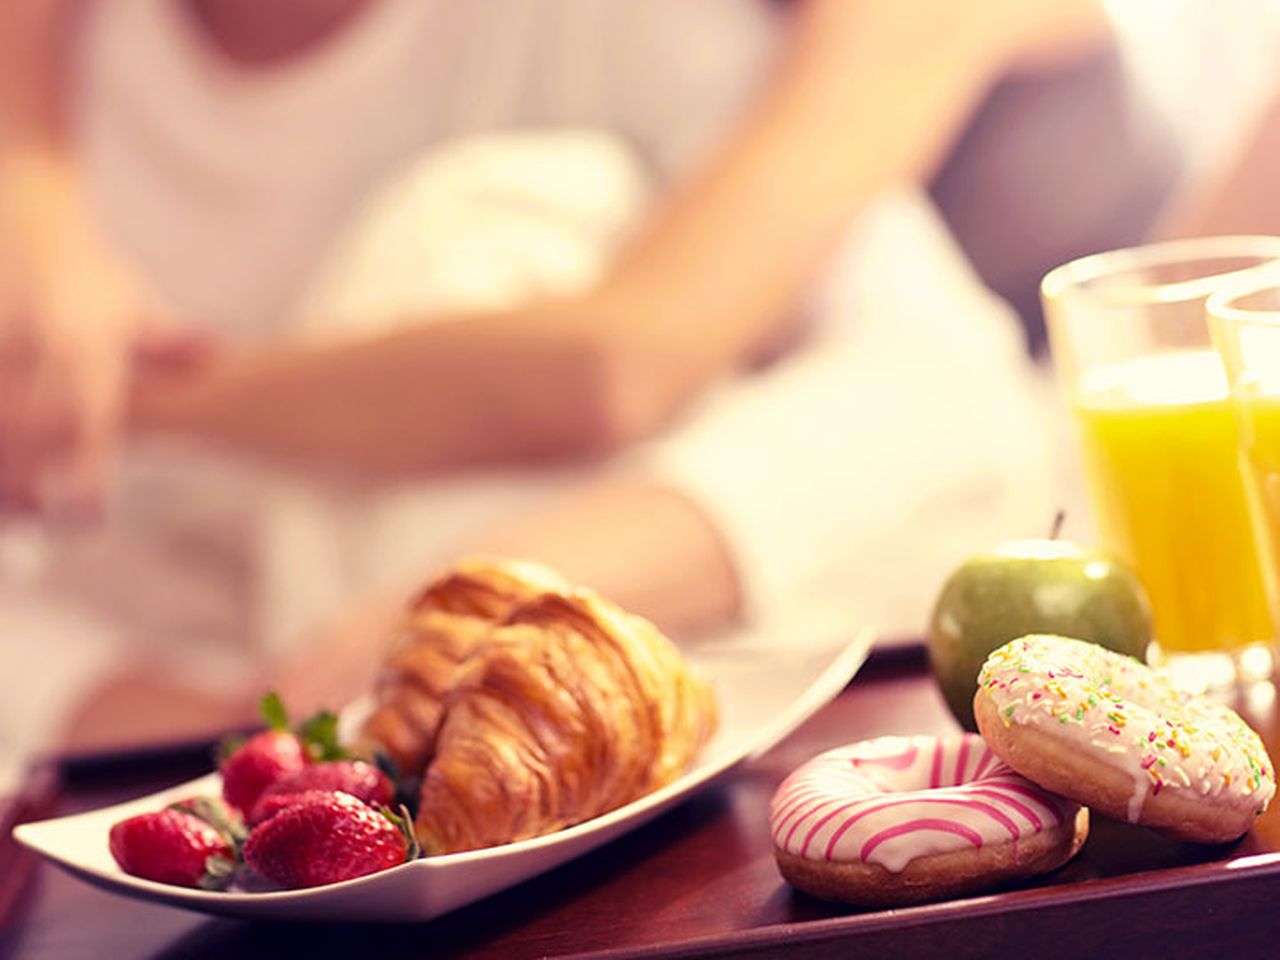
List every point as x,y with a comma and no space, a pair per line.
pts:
326,837
250,768
273,803
171,846
362,780
262,760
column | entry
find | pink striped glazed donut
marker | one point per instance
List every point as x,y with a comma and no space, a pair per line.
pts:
905,819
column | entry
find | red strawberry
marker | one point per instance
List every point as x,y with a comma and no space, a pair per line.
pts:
249,768
170,846
362,780
261,761
324,837
271,804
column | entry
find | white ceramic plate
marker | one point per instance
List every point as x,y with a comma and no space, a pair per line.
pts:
764,690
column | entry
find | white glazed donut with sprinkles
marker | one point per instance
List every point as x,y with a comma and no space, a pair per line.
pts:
905,819
1120,737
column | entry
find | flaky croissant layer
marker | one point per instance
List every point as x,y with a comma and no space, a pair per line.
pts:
574,708
447,621
534,706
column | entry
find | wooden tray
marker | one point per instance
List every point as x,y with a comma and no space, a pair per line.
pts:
700,881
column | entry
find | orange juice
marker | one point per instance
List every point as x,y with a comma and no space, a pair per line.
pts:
1159,441
1260,453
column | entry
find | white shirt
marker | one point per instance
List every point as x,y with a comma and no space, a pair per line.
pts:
227,184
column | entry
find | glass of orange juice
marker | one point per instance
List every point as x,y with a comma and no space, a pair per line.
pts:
1246,328
1149,397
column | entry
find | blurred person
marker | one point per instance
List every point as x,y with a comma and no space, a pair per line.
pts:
1208,68
1237,195
193,159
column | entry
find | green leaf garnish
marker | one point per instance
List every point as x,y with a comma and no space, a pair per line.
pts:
404,823
218,871
273,712
215,812
319,734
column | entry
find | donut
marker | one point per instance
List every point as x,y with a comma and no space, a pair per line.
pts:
1113,734
902,820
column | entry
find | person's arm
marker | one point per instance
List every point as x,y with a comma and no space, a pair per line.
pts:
708,526
68,308
833,458
868,93
1241,197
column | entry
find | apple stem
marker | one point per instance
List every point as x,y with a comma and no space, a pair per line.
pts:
1058,519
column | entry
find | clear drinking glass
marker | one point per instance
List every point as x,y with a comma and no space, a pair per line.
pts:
1246,328
1149,397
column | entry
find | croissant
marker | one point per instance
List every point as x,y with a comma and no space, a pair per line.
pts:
449,619
570,709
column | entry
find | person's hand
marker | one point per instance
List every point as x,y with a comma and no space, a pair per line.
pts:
68,321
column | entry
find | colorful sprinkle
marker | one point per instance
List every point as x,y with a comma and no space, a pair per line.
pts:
1134,716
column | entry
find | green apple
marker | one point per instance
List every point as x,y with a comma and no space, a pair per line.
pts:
1030,586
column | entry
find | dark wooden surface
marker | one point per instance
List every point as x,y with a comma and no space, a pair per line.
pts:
701,881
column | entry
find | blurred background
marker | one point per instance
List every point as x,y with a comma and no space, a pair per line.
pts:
727,309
